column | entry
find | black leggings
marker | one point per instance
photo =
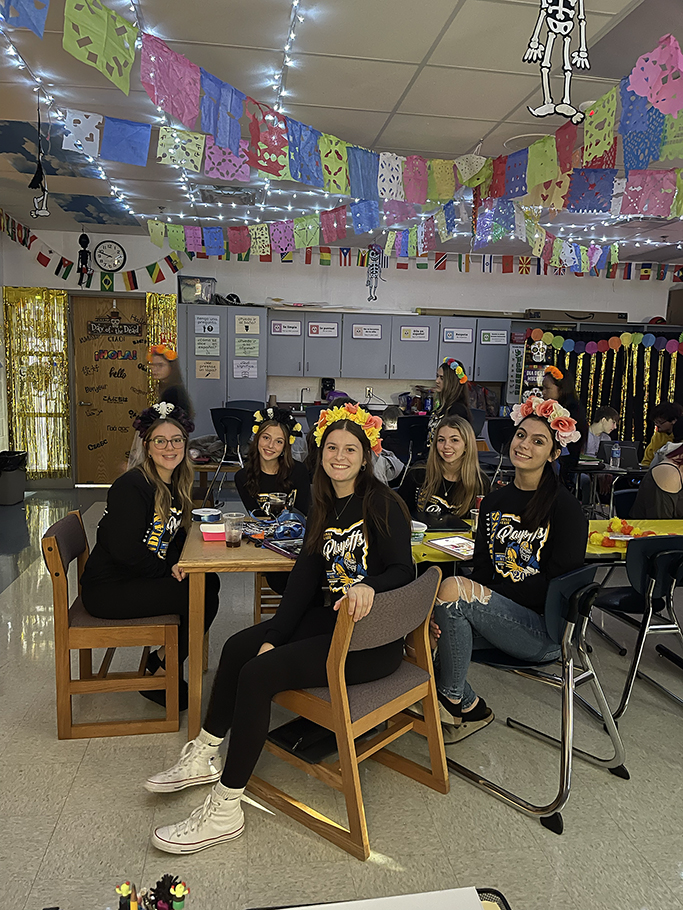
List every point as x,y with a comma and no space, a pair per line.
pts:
140,597
245,684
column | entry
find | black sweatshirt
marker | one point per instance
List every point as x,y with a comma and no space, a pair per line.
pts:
441,502
457,409
133,541
518,563
384,562
268,483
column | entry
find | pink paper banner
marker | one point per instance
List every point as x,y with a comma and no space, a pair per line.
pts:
220,162
170,80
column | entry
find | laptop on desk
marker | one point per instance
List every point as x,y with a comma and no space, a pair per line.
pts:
629,455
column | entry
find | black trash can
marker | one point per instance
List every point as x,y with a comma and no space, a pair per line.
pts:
12,477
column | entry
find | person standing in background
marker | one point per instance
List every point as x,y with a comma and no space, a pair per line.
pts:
453,394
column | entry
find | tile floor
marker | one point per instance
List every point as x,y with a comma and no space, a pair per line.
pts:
76,820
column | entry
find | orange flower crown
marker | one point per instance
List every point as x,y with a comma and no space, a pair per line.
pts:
161,350
368,423
554,372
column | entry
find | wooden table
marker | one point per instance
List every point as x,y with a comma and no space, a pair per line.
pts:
198,558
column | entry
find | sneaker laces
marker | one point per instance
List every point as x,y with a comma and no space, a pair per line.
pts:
198,816
186,757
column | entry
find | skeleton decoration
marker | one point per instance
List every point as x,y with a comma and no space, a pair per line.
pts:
84,260
538,349
40,209
374,269
559,18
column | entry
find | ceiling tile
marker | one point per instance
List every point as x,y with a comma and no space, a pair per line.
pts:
357,127
462,93
433,136
252,23
250,70
331,82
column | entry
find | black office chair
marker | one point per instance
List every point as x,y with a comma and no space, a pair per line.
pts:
654,566
313,413
478,420
245,404
500,431
234,429
623,502
567,610
409,440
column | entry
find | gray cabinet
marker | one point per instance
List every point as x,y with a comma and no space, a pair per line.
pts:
414,347
322,344
491,354
457,339
203,356
247,349
366,346
286,344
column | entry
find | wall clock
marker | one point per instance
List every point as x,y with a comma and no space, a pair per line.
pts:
109,256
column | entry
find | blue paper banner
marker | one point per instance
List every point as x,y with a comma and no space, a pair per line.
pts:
125,141
304,154
365,216
214,241
221,107
363,172
25,14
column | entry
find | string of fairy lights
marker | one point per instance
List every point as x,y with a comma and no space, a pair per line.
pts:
290,205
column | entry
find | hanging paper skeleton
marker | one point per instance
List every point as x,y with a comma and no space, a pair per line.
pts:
559,18
374,269
38,182
84,260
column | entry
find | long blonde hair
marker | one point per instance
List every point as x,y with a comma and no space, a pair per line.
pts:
181,480
471,483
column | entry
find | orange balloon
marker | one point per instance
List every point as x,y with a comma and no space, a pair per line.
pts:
615,342
537,334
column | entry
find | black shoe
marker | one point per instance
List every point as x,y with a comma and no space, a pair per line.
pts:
158,696
154,663
454,710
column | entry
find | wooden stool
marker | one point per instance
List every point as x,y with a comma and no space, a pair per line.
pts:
266,601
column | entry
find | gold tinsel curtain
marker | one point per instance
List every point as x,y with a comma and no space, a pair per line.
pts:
36,342
162,328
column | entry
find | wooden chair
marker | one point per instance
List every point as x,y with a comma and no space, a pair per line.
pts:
266,601
76,629
350,711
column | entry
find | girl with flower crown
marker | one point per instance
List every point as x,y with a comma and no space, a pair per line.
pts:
133,569
453,392
561,387
530,531
357,543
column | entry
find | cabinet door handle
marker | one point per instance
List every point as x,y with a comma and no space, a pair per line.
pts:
385,367
299,366
393,368
307,367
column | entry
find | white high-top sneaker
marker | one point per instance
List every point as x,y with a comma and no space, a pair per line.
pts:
198,764
219,819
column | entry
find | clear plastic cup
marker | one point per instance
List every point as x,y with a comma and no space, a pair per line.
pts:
234,525
474,518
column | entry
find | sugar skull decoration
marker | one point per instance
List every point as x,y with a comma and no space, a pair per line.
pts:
538,350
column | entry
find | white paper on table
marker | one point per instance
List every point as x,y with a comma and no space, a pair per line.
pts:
454,899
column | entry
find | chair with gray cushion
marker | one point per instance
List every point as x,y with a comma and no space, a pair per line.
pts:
351,711
76,629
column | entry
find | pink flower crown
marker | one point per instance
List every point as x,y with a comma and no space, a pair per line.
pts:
558,417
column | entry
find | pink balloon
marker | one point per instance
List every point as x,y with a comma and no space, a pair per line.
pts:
591,348
672,345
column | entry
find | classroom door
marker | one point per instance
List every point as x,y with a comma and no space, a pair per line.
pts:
110,383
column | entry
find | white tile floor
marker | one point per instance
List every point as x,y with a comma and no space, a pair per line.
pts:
76,820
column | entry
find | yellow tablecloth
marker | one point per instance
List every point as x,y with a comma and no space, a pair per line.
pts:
422,552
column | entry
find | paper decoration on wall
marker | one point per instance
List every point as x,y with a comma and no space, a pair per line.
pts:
100,38
214,241
559,20
193,239
397,211
415,178
82,132
658,76
239,239
282,236
220,162
515,174
157,232
677,207
268,150
607,159
260,239
444,179
412,241
334,162
390,176
304,154
171,80
598,128
155,273
365,215
176,237
221,107
363,172
25,14
125,141
374,274
325,256
180,147
633,109
640,148
426,236
306,231
590,190
649,193
468,167
542,162
333,224
672,141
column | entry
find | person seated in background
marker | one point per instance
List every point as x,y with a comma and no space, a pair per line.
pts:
605,422
133,569
530,531
453,393
665,416
561,387
270,467
660,494
451,480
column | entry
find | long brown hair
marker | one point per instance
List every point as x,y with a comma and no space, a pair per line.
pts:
182,478
376,495
174,380
453,391
471,483
285,460
539,506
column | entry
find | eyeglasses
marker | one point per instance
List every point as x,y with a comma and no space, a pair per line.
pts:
161,442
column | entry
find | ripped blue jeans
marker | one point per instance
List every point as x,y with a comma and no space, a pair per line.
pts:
487,620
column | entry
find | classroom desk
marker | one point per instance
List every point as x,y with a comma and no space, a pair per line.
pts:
198,558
